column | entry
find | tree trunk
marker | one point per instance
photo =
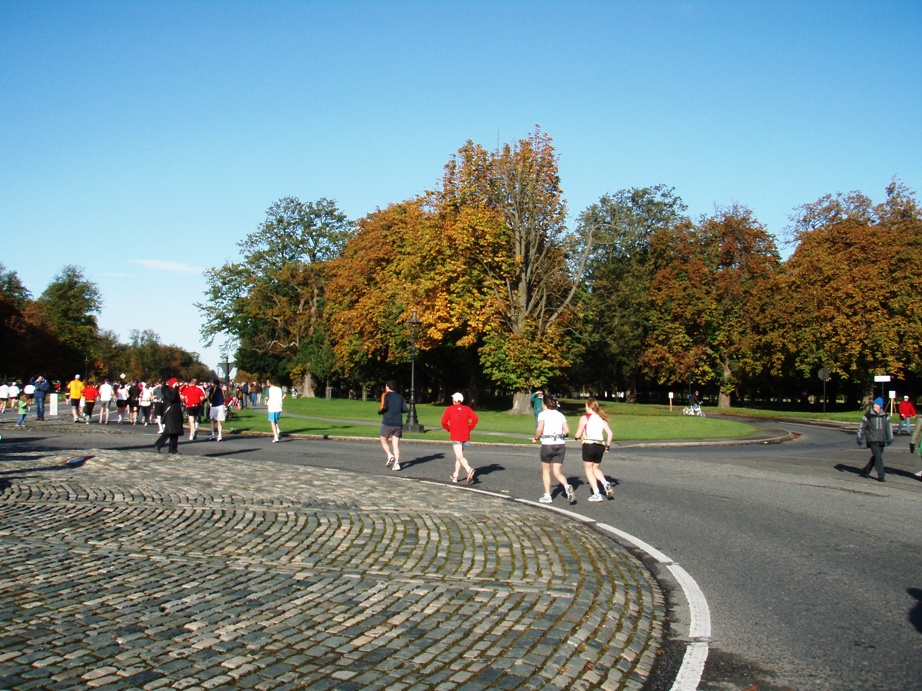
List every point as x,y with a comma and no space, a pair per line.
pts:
723,398
307,386
521,403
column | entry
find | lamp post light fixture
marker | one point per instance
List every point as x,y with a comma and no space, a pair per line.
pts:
412,421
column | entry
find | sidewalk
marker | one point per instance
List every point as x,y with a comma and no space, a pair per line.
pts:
138,570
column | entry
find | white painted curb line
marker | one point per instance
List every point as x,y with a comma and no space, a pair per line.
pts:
699,627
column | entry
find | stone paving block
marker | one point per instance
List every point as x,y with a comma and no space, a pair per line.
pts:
230,573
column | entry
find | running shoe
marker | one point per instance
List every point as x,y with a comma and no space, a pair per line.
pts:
609,490
546,499
396,466
470,476
390,460
596,497
571,497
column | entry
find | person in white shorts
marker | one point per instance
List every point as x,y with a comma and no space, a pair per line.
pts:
217,411
105,400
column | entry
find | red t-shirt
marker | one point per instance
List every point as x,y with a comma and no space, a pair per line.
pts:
90,394
193,396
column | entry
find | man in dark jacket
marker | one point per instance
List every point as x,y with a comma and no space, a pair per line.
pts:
172,417
392,407
876,432
42,387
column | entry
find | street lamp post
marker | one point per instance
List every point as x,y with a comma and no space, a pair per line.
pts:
412,421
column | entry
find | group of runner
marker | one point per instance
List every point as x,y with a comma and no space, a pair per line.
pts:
551,431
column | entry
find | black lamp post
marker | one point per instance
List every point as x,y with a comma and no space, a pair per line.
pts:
412,421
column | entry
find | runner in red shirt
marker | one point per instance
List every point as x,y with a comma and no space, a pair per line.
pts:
459,420
192,397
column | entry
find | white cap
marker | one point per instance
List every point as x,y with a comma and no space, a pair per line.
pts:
459,397
905,398
76,376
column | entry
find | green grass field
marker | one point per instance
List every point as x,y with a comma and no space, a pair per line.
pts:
347,418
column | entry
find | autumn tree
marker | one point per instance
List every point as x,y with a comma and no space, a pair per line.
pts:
706,277
487,262
271,304
618,309
849,296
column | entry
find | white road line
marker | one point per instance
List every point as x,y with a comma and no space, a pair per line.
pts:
699,627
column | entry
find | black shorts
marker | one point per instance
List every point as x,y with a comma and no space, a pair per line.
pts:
194,411
121,403
75,402
592,453
553,453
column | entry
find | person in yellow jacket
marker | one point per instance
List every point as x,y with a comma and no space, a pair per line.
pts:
75,391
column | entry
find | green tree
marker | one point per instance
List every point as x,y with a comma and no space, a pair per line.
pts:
271,304
69,305
618,309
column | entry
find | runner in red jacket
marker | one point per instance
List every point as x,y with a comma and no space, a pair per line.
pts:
459,420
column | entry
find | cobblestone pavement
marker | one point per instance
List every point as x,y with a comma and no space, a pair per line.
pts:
138,570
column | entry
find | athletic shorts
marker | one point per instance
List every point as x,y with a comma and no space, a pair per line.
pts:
275,417
121,403
553,453
133,403
216,413
105,405
388,431
592,453
75,402
194,411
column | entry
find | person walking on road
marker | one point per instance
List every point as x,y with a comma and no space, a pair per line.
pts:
274,397
592,429
552,432
907,412
75,392
392,408
537,403
42,387
458,419
90,394
216,411
106,392
172,417
876,432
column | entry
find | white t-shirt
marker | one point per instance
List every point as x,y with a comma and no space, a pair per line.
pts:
594,429
4,390
274,400
554,421
105,393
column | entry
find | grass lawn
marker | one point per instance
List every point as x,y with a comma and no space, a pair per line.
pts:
347,418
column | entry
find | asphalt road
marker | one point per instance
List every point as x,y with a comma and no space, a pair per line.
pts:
813,575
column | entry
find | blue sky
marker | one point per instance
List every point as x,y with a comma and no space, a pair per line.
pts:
143,140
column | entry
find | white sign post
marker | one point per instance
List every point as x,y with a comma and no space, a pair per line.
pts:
671,396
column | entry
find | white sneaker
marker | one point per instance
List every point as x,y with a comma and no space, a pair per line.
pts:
390,460
596,497
274,439
609,490
545,499
570,496
396,466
